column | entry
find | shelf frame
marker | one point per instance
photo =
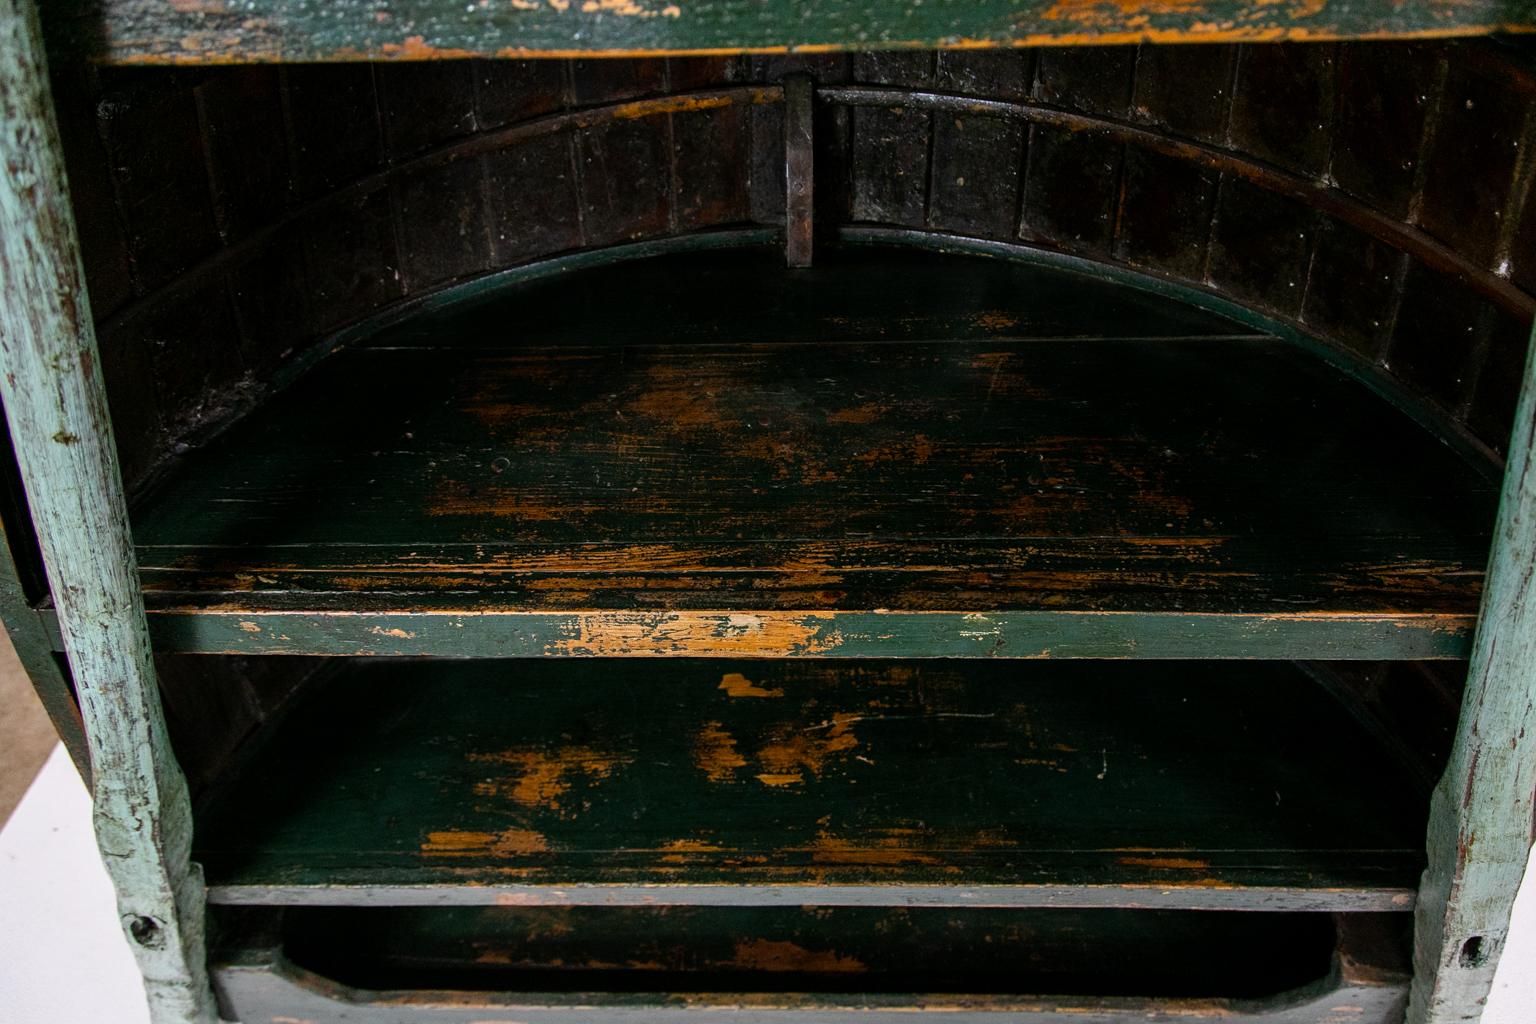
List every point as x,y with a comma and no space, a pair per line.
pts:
57,415
56,411
152,32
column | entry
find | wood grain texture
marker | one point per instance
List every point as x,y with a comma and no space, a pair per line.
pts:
799,171
56,410
146,31
973,951
1484,811
775,958
875,783
711,454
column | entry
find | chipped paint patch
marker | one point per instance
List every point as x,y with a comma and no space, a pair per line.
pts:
895,849
609,634
1178,863
540,778
737,685
509,843
787,759
776,956
715,754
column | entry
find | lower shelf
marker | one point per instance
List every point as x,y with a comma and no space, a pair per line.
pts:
558,964
1201,785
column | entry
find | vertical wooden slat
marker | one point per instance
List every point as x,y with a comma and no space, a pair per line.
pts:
1482,814
56,409
798,171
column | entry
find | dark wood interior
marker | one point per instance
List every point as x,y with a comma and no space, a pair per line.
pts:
1183,784
1218,334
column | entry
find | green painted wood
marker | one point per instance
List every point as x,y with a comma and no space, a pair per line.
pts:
56,410
1483,816
797,965
694,781
888,454
869,950
379,626
30,639
268,30
278,991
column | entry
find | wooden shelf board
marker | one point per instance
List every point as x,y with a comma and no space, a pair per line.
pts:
716,456
928,783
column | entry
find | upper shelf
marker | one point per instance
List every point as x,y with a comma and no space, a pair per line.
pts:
891,454
153,31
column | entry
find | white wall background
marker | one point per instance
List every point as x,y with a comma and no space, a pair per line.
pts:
63,960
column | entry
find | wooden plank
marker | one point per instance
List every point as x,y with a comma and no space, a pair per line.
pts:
56,410
799,171
148,31
872,950
639,469
1483,815
876,782
274,992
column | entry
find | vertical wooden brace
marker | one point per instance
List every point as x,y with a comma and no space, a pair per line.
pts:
799,165
56,409
1484,809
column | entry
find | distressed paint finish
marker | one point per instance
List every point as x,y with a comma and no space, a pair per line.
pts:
836,633
1484,811
875,950
156,31
889,783
800,964
57,414
897,454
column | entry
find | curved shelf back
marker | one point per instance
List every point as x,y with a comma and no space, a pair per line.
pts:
1370,195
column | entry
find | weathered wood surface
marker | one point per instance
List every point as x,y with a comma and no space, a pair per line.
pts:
715,455
342,190
56,411
152,31
799,170
806,965
1483,817
1178,785
1159,954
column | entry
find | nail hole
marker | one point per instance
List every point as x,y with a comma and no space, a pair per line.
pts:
145,931
1472,954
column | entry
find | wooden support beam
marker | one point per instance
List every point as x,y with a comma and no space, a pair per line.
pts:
56,408
799,170
1484,810
155,31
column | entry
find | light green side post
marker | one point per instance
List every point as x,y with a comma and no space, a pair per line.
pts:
57,412
1481,818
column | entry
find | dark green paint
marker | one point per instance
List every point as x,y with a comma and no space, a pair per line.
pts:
1184,784
867,950
305,30
1029,634
714,455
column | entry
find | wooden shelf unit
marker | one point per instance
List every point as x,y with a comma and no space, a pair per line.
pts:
1009,461
799,519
